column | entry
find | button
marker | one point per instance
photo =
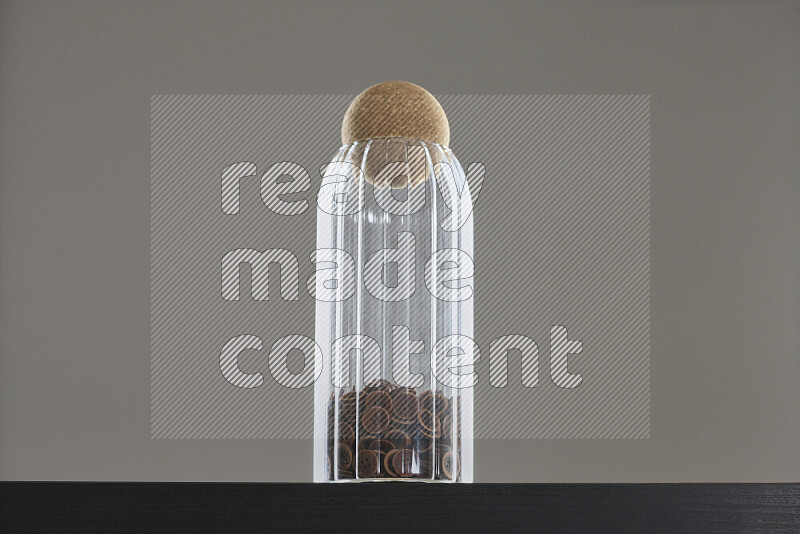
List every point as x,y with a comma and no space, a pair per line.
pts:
439,452
387,462
379,398
345,460
447,464
429,424
375,420
405,405
402,463
367,463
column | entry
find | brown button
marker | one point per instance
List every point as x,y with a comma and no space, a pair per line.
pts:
405,405
345,456
450,467
447,464
439,452
387,462
375,420
429,424
402,463
367,463
379,398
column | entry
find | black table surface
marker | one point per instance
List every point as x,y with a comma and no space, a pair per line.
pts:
397,507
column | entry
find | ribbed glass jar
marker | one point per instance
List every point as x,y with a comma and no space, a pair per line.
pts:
394,227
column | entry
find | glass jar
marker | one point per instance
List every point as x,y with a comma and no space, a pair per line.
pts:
394,315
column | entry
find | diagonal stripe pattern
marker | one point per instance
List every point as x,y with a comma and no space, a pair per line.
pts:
562,238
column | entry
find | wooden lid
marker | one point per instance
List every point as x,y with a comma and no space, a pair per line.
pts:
395,109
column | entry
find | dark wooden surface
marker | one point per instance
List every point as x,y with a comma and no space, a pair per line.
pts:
397,507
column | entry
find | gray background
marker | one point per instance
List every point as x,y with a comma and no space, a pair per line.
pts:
76,80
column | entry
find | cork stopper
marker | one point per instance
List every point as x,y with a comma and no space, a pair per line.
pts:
395,109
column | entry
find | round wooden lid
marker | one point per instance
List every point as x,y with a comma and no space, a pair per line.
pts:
395,109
